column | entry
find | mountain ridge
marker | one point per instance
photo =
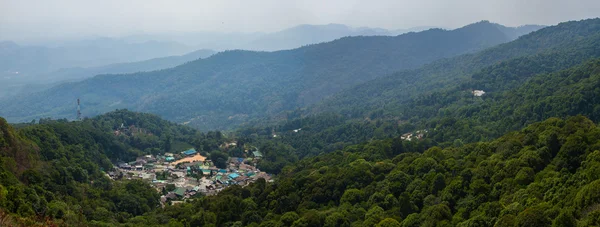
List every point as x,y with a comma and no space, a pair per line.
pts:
24,84
288,78
397,87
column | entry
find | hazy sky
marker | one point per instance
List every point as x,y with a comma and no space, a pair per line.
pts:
39,19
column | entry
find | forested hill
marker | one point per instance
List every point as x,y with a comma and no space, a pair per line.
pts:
231,87
546,174
568,37
51,172
129,67
559,82
460,116
30,83
30,60
451,116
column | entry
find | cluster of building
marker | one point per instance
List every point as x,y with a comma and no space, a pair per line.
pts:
187,174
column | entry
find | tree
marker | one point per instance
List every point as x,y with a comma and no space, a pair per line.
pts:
565,219
438,183
170,187
167,144
374,216
251,216
388,222
336,219
533,217
289,218
219,159
352,196
588,195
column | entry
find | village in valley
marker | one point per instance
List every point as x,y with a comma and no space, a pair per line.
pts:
188,174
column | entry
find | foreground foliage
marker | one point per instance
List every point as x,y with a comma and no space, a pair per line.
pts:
546,174
55,169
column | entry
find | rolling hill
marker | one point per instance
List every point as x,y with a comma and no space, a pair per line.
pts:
543,174
306,34
80,73
289,38
31,83
557,80
232,87
577,39
85,53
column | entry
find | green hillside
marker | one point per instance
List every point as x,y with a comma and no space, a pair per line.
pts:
567,43
559,82
80,73
233,87
460,135
461,116
543,175
52,173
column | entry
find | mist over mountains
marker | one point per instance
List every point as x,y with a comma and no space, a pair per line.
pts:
30,67
233,87
314,125
289,38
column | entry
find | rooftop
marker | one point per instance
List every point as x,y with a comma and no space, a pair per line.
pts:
180,191
191,151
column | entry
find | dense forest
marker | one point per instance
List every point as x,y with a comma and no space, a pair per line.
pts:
568,43
232,87
546,174
524,153
552,76
381,182
518,93
52,172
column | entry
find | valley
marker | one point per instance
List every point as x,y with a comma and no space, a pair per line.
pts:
233,88
311,125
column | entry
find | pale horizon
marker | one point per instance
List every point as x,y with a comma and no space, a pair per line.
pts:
27,20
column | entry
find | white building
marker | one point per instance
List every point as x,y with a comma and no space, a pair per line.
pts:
478,93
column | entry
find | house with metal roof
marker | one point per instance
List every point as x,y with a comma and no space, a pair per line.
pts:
189,152
206,171
233,176
180,192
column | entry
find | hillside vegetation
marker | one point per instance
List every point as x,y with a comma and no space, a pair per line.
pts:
525,153
546,174
30,83
565,44
52,172
233,87
559,82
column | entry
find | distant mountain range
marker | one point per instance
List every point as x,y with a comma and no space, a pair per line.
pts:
79,73
26,83
89,53
547,73
289,38
233,87
308,34
394,89
30,68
